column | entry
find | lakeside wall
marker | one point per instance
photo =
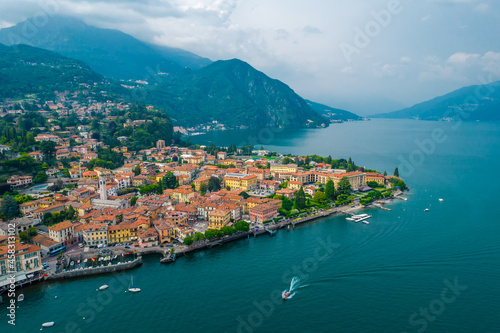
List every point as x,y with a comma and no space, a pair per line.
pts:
96,270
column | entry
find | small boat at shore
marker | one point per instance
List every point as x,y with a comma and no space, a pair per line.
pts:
48,324
103,287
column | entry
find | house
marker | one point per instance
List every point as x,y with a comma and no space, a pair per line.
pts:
165,231
63,232
198,182
375,177
221,155
45,243
19,181
28,262
219,218
286,192
37,155
62,154
262,213
148,237
237,181
96,234
182,231
140,181
294,185
47,137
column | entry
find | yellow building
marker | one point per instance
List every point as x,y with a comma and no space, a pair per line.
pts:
295,185
284,168
218,218
200,181
182,195
123,232
237,181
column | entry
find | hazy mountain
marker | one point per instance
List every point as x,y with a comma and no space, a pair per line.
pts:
332,114
109,52
29,70
234,93
468,103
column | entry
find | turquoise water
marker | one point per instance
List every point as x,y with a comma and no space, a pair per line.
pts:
355,277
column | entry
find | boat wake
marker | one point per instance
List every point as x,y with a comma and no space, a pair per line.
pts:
292,291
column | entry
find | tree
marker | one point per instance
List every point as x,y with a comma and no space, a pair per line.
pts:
137,170
133,200
227,230
199,236
244,195
300,199
9,206
385,173
41,177
242,226
213,184
48,148
330,190
319,197
344,187
24,236
169,181
286,203
203,188
212,233
188,240
32,232
396,172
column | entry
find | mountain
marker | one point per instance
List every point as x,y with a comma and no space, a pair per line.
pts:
234,93
332,114
109,52
469,104
29,70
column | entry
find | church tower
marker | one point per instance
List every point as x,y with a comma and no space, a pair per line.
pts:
102,188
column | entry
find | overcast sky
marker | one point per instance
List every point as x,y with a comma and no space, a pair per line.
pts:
363,55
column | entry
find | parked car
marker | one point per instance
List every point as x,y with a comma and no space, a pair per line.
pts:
127,247
80,245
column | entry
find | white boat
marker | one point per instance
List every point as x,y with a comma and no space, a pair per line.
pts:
360,216
349,219
131,287
441,200
366,222
48,324
103,287
426,210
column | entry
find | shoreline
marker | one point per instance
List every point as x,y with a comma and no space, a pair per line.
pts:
270,229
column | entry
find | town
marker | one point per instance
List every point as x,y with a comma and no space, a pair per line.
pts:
81,193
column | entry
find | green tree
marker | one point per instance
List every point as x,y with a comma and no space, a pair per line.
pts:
41,177
32,232
169,181
48,148
396,172
137,170
330,190
188,240
227,230
385,173
9,206
199,236
244,195
24,236
214,184
300,199
242,226
133,200
344,187
319,197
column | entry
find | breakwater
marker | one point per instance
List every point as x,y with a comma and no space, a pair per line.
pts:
97,270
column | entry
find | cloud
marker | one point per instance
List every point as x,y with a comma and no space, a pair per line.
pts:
309,29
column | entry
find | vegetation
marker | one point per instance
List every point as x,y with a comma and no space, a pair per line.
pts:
9,207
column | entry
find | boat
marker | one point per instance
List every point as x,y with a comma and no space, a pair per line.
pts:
426,210
48,324
103,287
285,295
20,298
441,200
366,222
349,219
131,287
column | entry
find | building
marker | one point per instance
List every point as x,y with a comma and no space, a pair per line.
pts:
45,243
218,218
160,144
47,137
19,181
182,231
221,155
28,263
356,179
148,237
375,177
263,212
63,233
36,155
103,193
166,231
198,182
96,234
62,154
294,185
21,224
284,168
237,181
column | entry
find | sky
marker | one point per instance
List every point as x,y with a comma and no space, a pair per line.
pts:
366,56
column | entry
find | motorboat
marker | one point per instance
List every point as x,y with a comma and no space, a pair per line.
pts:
426,210
285,295
441,200
48,324
103,287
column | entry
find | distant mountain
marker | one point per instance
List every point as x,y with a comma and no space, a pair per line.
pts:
234,93
465,103
109,52
29,70
332,114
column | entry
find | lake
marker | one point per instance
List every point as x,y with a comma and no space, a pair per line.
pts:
407,271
